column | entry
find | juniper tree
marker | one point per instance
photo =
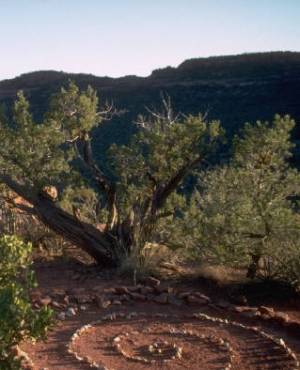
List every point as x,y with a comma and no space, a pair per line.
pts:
129,200
247,212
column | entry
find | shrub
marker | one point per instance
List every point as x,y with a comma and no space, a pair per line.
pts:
18,320
246,213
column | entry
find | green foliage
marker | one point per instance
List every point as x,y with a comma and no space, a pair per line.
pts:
32,151
248,209
18,321
158,151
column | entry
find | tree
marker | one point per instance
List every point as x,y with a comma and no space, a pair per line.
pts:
247,212
133,192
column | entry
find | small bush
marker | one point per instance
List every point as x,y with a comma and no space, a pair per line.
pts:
18,321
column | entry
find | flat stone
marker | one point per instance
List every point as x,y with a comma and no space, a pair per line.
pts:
251,314
191,299
109,291
239,299
164,289
146,290
71,312
151,281
122,290
183,295
264,310
281,318
138,296
172,299
223,304
77,291
84,298
135,288
61,316
162,298
202,296
45,301
58,293
56,304
240,309
124,297
102,302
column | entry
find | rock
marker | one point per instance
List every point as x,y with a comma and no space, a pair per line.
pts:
83,308
183,295
109,291
223,304
77,291
138,296
151,281
122,290
35,296
45,301
240,309
191,299
150,297
61,316
66,299
251,314
162,298
71,312
98,289
266,311
281,318
294,327
76,276
124,298
240,299
172,299
164,289
135,288
84,298
146,290
102,302
56,304
58,293
202,296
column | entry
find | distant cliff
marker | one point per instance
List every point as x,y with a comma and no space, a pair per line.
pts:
234,89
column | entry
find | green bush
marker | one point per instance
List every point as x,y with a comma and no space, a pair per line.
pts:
246,213
18,320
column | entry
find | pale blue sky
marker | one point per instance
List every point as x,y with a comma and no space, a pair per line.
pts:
121,37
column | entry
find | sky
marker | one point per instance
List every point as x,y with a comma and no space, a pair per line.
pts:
125,37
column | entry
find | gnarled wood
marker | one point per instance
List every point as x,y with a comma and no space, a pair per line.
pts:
96,243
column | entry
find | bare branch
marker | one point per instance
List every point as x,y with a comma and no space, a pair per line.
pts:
109,111
166,116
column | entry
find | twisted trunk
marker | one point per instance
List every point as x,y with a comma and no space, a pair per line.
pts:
98,244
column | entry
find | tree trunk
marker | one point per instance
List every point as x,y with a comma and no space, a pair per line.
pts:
98,244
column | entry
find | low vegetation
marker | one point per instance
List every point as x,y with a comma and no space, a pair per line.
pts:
166,187
166,193
18,320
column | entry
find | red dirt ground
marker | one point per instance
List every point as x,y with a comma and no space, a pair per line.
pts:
250,350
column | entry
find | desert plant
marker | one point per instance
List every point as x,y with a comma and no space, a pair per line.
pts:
134,195
18,320
246,213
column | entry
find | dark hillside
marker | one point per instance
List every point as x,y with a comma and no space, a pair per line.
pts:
234,89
